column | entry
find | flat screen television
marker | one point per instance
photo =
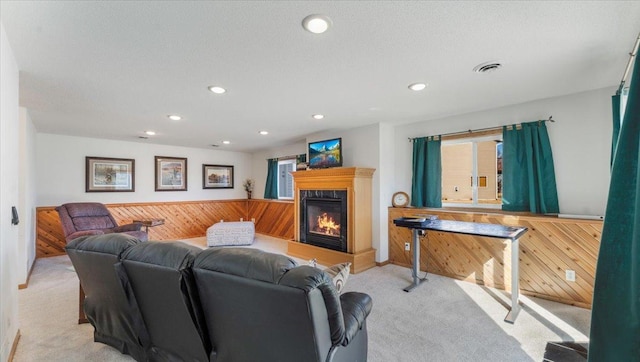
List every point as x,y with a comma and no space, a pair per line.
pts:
325,154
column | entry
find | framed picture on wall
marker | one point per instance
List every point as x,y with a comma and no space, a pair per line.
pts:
171,173
217,177
105,174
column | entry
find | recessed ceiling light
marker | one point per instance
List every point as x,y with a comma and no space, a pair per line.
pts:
417,86
173,117
316,23
150,133
217,90
318,116
226,142
264,133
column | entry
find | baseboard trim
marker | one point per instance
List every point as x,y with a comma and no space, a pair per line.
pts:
14,346
26,284
383,263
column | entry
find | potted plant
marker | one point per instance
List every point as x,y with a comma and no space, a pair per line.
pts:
248,187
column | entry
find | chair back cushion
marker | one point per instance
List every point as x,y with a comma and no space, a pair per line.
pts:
90,216
160,277
252,316
105,304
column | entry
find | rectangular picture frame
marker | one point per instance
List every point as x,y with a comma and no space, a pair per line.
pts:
170,173
217,176
106,174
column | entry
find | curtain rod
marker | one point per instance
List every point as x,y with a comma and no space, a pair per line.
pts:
628,68
286,157
479,130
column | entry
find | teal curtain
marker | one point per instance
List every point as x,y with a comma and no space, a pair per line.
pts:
615,312
426,185
529,179
615,104
271,187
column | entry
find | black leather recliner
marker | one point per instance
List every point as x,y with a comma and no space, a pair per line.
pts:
160,280
93,218
262,307
106,306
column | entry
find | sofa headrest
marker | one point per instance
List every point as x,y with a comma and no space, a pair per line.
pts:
245,262
305,277
170,254
113,244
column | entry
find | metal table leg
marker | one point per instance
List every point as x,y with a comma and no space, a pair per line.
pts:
415,270
515,275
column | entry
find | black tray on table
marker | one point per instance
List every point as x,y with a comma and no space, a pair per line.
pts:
414,222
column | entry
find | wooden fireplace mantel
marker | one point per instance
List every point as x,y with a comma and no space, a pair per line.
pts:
356,181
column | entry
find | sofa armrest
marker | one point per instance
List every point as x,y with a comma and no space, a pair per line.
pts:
127,227
78,234
355,309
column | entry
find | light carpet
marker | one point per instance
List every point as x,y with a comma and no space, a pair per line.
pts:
442,320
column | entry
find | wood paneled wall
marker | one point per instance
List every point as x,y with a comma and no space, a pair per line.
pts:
550,246
274,218
186,219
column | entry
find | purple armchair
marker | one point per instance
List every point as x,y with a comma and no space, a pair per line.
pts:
93,218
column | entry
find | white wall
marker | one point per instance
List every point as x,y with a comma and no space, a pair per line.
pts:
60,173
386,181
8,196
27,197
580,140
361,147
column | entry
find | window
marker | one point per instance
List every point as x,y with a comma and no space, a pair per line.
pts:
285,180
624,97
472,172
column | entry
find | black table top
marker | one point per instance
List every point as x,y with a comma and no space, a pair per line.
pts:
463,227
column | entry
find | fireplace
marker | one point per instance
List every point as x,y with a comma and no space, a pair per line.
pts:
323,218
346,191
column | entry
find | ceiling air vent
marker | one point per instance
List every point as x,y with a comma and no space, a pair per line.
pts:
215,145
487,67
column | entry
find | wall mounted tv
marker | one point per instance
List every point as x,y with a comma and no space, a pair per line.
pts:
324,154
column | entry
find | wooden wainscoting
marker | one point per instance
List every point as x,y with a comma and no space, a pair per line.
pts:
272,217
550,246
49,235
185,219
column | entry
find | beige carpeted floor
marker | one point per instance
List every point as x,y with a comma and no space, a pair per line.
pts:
442,320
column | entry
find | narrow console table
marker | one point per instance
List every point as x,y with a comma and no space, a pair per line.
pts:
417,225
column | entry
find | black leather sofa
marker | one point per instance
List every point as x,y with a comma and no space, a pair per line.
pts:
174,302
160,283
106,304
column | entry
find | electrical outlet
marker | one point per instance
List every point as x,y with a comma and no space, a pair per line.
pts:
407,246
570,275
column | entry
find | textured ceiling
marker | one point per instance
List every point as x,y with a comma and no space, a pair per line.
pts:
115,69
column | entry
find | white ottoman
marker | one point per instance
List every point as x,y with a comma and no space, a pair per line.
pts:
231,233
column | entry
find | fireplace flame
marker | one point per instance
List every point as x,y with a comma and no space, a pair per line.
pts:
327,225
